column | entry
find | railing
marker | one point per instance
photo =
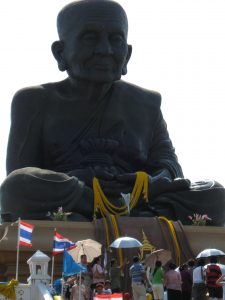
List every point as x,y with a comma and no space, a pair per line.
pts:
43,293
24,292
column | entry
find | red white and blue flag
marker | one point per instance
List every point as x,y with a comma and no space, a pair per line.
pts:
61,243
25,233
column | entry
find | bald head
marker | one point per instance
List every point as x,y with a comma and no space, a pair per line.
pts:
75,12
93,40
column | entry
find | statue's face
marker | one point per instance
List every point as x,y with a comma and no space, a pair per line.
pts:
95,47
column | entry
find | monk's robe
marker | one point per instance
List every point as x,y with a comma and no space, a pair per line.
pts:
122,133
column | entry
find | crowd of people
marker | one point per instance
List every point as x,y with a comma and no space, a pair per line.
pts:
194,280
95,280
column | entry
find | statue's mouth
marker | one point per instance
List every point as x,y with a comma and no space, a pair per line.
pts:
105,64
102,67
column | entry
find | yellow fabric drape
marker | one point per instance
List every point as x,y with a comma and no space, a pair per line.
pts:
174,236
104,206
117,235
8,289
107,232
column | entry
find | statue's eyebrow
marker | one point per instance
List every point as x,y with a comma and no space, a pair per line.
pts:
99,27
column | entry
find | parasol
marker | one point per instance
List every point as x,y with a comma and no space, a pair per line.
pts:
88,247
210,252
162,255
126,242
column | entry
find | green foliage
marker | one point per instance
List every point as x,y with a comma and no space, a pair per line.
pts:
59,215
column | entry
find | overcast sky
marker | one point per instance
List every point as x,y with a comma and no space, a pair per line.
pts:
178,50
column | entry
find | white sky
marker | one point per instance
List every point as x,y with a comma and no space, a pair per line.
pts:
178,50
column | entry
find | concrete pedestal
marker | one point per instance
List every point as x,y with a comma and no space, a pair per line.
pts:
199,237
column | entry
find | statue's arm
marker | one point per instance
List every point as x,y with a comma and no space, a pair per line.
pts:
162,166
163,161
24,144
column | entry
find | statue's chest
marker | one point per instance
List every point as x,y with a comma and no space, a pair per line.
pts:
66,120
69,123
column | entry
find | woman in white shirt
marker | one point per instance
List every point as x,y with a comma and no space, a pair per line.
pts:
98,271
199,287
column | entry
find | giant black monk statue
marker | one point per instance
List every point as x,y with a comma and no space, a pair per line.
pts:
94,124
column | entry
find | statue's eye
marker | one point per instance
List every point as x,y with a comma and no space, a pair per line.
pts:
116,39
89,38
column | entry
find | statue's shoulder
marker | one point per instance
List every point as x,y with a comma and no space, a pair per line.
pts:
29,95
33,96
137,93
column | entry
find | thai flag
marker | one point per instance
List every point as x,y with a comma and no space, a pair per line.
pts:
25,233
61,243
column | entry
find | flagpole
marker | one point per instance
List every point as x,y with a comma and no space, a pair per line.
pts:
79,297
62,289
18,249
53,262
62,286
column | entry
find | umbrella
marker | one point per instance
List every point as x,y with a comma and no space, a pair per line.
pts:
126,242
88,247
210,252
163,255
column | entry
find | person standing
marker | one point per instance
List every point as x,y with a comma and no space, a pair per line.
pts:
138,277
191,266
87,274
98,272
115,274
172,282
78,291
157,281
213,273
187,282
221,281
199,286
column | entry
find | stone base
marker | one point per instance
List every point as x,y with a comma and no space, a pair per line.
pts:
199,237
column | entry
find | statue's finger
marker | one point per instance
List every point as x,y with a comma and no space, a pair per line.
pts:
105,175
115,188
127,177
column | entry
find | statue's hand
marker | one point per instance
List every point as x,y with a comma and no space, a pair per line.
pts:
157,185
127,178
87,174
123,183
166,185
114,188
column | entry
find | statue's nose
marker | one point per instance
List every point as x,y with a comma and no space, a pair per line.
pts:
104,47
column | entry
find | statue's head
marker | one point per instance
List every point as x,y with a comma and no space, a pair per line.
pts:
92,40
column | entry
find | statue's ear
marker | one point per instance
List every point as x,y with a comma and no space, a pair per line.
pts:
57,50
129,51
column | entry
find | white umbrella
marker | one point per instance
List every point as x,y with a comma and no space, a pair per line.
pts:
210,252
88,247
126,242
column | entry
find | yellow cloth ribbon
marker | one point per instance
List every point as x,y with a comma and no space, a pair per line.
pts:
8,289
104,206
174,236
117,235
